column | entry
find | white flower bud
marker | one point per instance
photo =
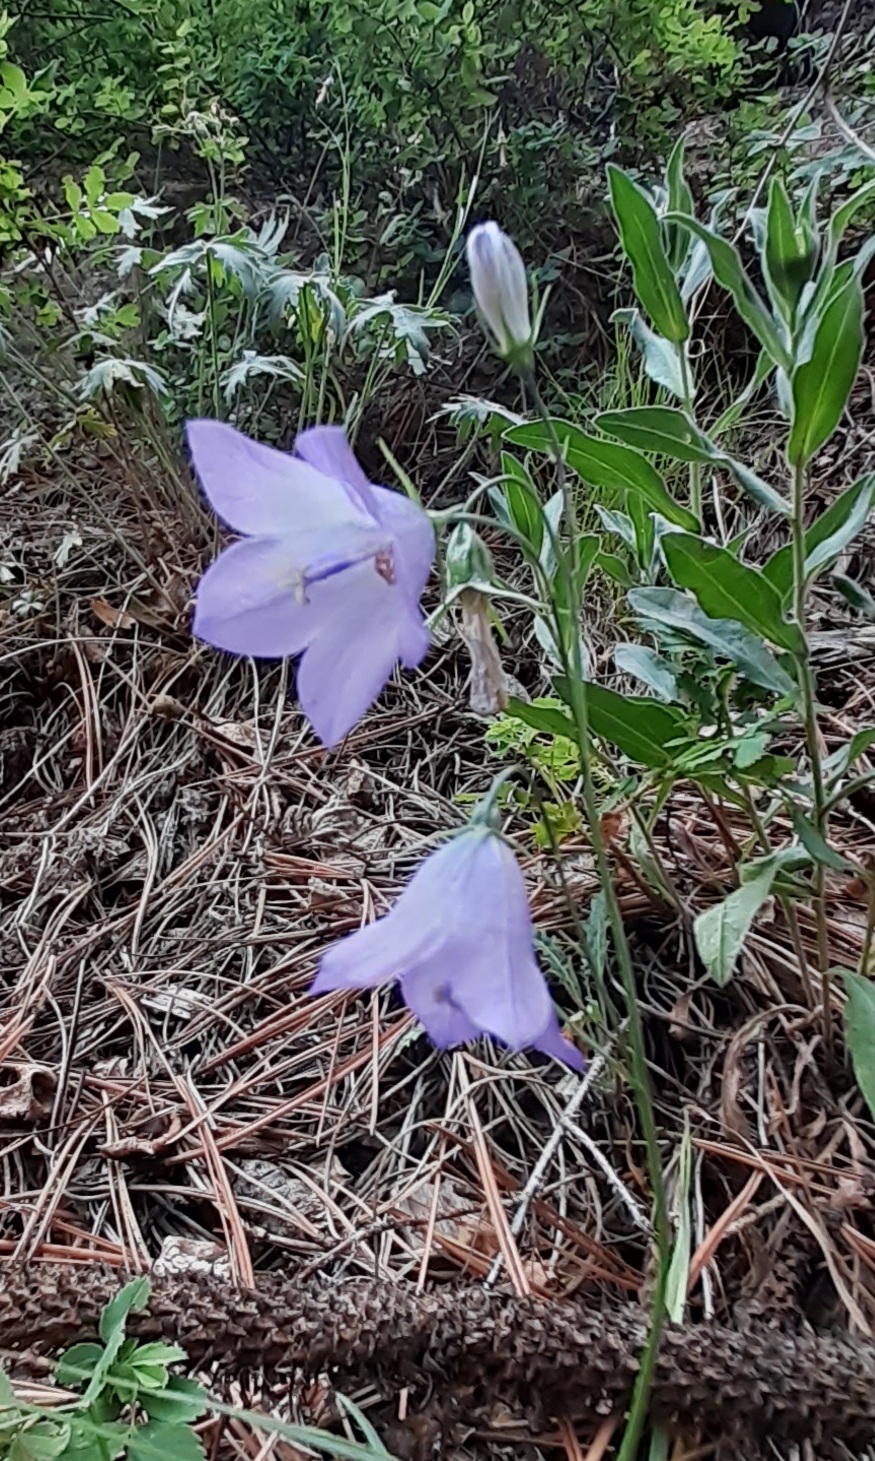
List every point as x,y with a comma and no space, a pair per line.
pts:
501,292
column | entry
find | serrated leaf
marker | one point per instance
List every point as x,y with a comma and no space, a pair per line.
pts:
605,464
731,274
859,1023
821,387
720,932
641,235
728,589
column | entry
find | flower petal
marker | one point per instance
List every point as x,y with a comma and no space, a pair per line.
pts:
497,980
427,990
257,489
257,598
385,950
361,624
245,602
413,534
552,1042
327,449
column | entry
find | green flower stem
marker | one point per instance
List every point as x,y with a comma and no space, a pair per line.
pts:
569,646
808,691
695,467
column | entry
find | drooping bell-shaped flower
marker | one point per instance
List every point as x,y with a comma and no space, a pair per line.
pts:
501,292
328,567
460,942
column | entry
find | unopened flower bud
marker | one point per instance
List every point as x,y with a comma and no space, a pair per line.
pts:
501,293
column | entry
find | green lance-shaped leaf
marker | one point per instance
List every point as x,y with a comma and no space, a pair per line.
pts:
680,200
605,464
662,362
821,387
827,537
730,272
671,433
676,611
639,726
641,235
790,253
720,932
728,589
860,1033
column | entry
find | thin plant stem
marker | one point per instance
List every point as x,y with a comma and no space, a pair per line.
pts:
569,647
695,467
808,692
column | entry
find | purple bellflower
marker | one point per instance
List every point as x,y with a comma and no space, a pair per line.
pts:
329,567
461,943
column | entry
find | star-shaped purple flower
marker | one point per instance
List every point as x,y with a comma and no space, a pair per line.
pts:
329,567
461,943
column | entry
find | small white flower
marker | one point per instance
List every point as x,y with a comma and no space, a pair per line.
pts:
501,291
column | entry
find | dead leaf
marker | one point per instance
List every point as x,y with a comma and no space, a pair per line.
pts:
26,1091
112,618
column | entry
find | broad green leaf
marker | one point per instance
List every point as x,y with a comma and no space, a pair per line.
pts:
542,718
641,236
663,429
669,431
860,1033
728,589
615,569
827,537
730,272
161,1440
822,386
790,254
646,665
816,844
661,359
680,612
41,1440
720,932
640,726
605,464
78,1363
181,1400
523,505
